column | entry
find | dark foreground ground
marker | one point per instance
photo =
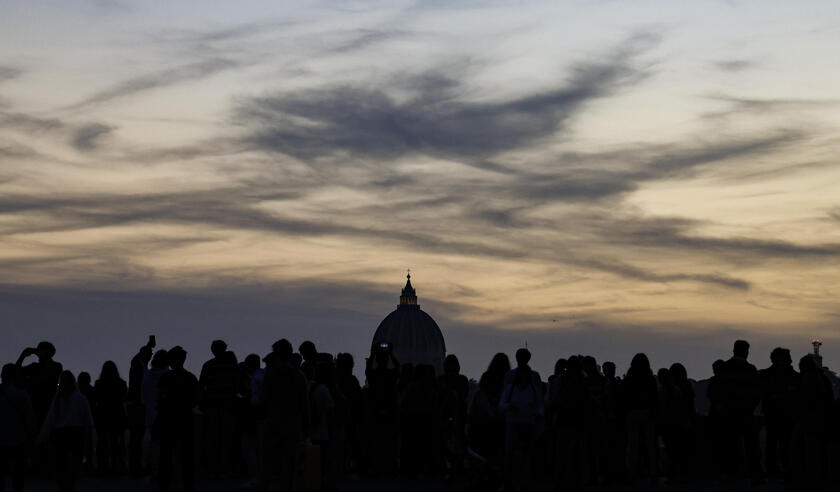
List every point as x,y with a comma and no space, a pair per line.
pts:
127,484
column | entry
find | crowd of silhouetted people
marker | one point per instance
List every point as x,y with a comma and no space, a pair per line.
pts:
302,421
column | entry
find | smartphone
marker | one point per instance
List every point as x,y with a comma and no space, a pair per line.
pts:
152,342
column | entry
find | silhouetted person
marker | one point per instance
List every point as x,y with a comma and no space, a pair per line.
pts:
17,428
254,442
110,390
714,391
602,407
683,422
522,403
609,372
457,382
40,378
615,428
217,392
309,353
780,385
559,369
669,419
740,394
285,397
327,431
523,356
149,391
135,410
383,376
813,412
570,407
86,388
69,427
486,429
455,389
639,399
246,419
83,381
421,423
348,385
177,397
717,438
549,431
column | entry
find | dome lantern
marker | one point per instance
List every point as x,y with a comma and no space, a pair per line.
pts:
409,295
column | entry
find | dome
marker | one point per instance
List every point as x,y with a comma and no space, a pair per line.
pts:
413,334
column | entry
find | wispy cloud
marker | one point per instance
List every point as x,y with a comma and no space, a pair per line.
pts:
9,73
738,106
30,123
626,270
156,80
81,135
369,122
197,37
734,65
676,235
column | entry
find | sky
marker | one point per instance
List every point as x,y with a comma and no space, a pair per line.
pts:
590,177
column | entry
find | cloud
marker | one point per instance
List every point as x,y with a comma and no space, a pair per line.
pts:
81,136
675,235
15,150
111,6
193,38
592,177
364,38
9,73
626,270
307,42
368,122
231,208
236,208
596,176
680,160
737,106
30,123
358,137
155,80
734,65
434,166
216,50
87,136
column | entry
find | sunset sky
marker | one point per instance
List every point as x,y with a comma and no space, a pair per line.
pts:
591,176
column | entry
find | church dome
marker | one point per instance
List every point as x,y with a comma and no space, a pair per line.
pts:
413,334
